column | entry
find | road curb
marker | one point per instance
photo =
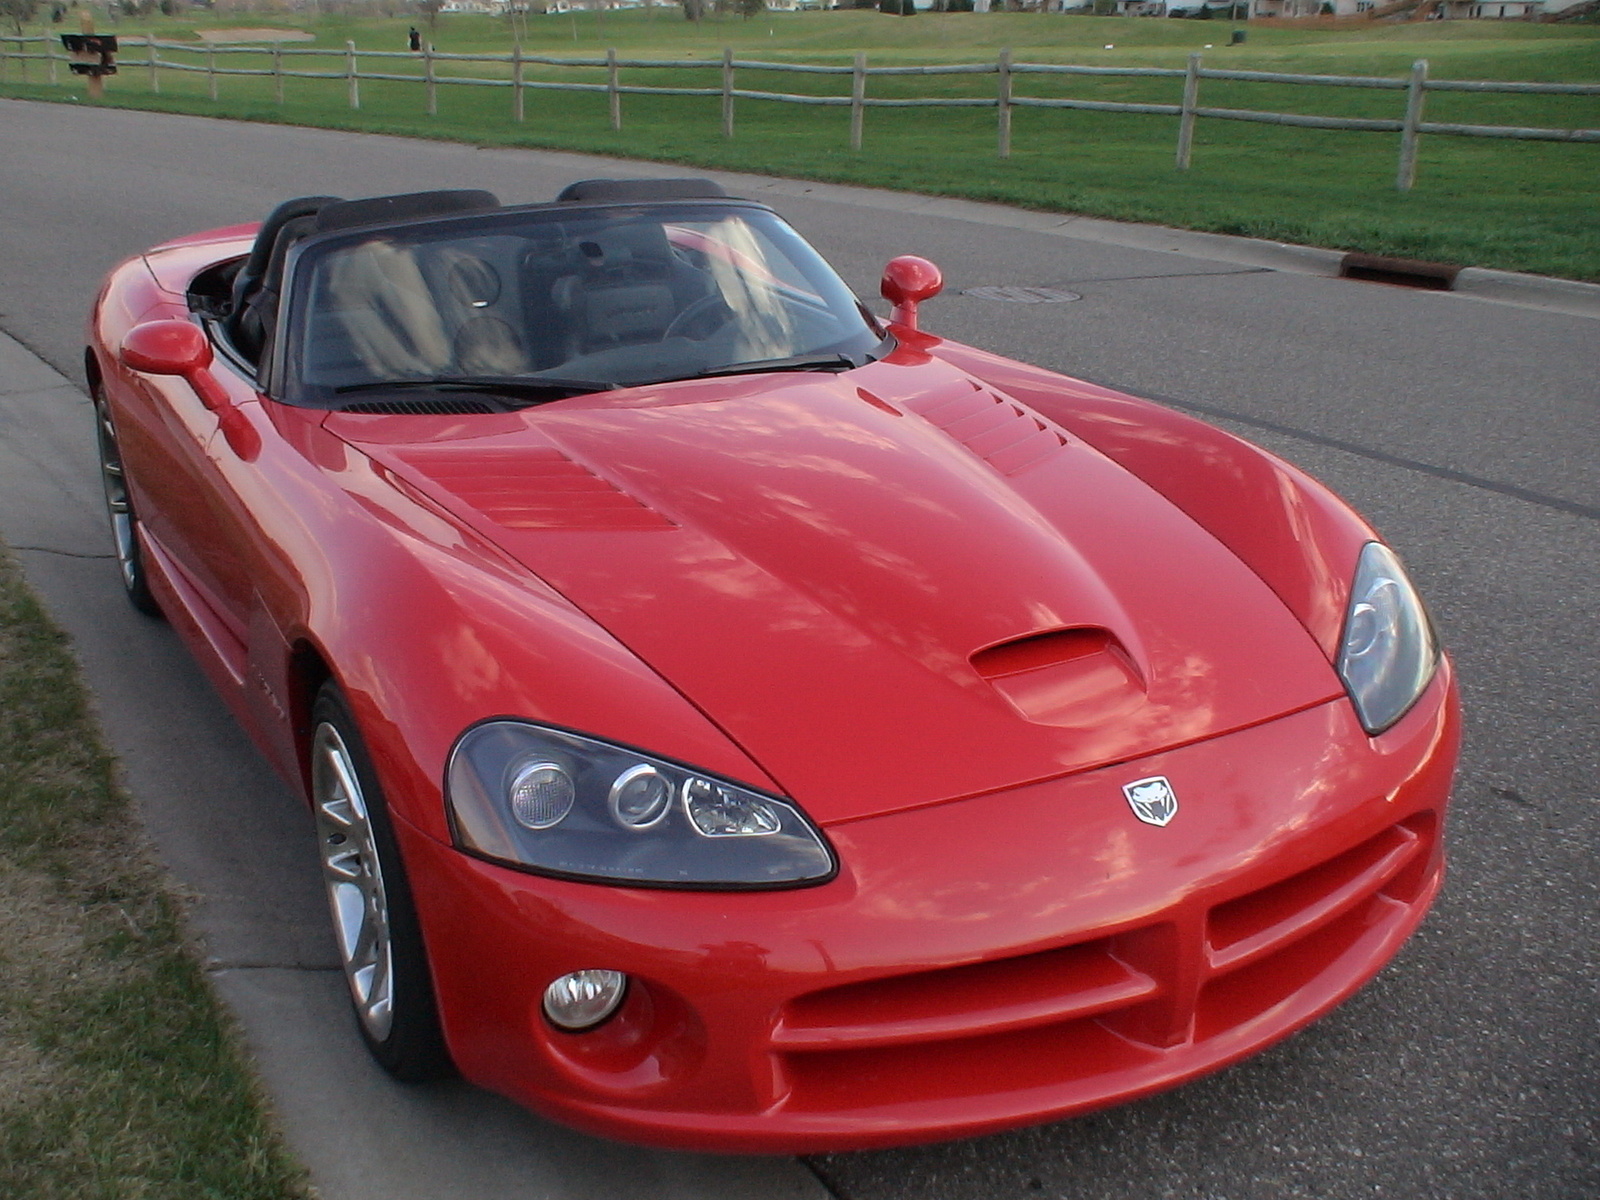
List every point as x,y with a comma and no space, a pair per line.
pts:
1530,291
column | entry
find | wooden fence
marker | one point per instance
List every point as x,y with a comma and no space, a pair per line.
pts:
510,71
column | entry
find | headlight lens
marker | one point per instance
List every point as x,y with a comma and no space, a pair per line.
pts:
1388,653
560,803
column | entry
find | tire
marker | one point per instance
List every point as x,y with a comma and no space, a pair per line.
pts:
119,511
369,898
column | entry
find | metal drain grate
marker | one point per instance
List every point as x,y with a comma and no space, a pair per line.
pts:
1022,295
1403,272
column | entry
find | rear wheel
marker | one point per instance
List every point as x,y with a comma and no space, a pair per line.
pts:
119,509
374,922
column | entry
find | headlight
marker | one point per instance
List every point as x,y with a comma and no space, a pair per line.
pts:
1388,654
563,804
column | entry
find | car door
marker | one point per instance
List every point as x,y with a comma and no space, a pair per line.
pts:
167,433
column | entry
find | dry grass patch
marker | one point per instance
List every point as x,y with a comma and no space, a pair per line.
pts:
119,1075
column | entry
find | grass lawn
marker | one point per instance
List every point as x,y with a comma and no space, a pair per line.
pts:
1518,205
119,1077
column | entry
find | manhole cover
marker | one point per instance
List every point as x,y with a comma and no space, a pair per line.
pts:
1022,295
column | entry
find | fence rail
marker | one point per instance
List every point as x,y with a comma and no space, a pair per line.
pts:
17,52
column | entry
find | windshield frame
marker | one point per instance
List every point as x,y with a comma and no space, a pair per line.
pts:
864,337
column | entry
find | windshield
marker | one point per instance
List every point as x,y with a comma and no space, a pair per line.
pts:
581,300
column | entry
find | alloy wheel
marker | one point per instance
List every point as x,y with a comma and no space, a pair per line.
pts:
118,507
353,875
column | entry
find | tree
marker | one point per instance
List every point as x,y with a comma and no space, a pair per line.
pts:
18,12
430,9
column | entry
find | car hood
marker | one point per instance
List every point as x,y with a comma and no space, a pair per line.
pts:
891,587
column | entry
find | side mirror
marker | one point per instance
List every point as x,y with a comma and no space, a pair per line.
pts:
166,348
175,347
907,282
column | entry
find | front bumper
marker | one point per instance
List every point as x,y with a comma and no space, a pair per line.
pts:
981,964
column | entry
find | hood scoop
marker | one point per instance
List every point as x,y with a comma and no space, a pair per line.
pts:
1064,677
1001,432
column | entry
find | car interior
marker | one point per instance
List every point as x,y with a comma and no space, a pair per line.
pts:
623,292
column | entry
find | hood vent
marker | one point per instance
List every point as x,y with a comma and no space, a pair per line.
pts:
1001,432
536,488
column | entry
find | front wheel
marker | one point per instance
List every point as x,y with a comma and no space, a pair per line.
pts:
119,509
374,922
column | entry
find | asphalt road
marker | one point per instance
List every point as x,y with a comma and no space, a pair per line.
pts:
1466,430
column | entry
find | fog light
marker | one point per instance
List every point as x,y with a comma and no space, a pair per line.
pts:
583,999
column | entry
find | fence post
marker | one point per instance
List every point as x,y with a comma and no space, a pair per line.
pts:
516,82
352,79
1191,99
211,70
50,56
727,92
150,47
858,97
432,88
1409,137
1003,98
613,97
277,70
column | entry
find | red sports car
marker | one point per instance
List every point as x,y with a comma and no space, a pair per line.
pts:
732,721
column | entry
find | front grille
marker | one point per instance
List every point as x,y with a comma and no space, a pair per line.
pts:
1266,946
1265,921
1105,1006
1049,988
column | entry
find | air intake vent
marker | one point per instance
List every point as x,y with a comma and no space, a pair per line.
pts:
418,408
1040,650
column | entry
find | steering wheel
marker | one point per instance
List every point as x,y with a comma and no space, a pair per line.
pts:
710,311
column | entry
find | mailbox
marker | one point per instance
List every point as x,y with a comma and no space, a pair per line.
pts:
93,54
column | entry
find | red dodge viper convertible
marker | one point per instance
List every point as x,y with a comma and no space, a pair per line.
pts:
735,722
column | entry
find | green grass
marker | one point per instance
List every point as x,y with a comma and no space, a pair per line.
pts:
1527,206
120,1079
